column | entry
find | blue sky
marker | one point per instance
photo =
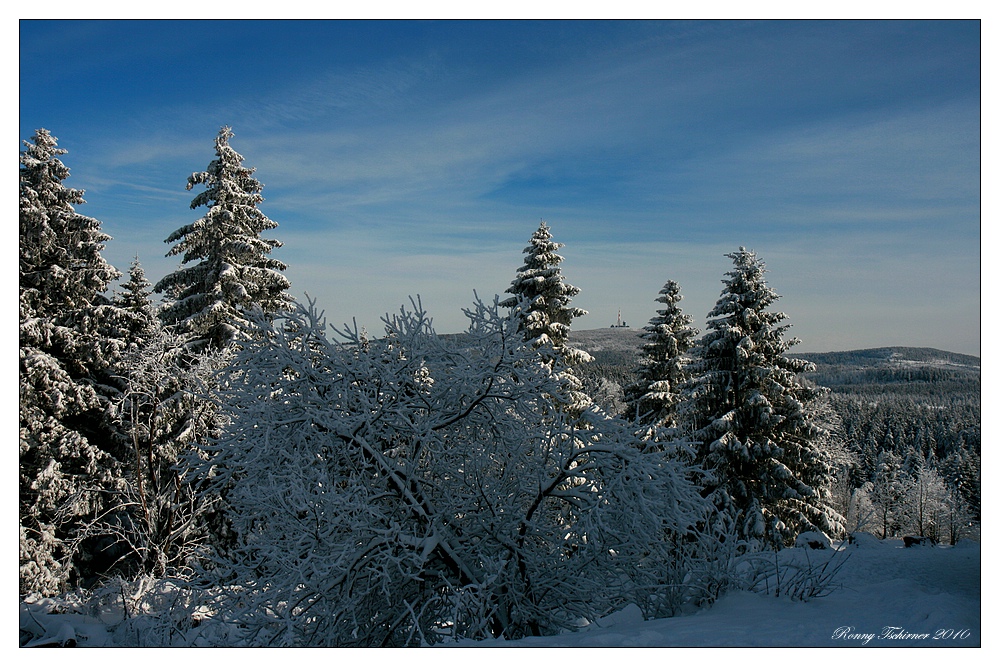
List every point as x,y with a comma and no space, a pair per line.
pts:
405,158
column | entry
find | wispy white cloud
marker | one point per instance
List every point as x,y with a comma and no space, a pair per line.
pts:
426,173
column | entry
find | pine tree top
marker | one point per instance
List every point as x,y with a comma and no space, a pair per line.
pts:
540,282
60,260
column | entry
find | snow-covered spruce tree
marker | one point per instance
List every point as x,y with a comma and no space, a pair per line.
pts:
229,268
138,320
652,400
229,271
413,489
547,320
754,420
66,457
962,470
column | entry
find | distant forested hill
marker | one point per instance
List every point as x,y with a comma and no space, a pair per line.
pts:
607,345
918,407
909,370
906,370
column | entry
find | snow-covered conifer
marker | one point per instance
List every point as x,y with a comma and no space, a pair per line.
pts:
65,459
652,400
962,470
412,489
138,318
547,319
754,419
228,264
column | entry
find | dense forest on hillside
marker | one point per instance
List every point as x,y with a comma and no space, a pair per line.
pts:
899,412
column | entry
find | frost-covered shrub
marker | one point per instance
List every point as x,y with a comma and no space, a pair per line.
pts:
798,574
159,524
410,489
144,612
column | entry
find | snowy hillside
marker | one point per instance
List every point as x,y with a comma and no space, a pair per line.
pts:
888,356
626,342
607,340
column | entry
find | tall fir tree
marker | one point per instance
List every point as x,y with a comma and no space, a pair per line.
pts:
229,267
66,461
754,428
652,401
547,317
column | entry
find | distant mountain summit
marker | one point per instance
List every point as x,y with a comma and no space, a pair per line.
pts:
614,339
620,339
880,356
888,368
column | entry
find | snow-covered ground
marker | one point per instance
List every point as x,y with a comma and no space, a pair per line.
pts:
884,595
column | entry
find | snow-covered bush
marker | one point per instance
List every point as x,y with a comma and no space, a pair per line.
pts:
158,522
813,539
413,490
798,574
863,540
